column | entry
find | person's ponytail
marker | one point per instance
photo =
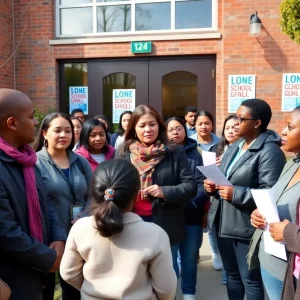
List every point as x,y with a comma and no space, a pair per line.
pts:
115,186
108,218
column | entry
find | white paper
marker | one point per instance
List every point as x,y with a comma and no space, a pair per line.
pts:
209,158
214,174
268,208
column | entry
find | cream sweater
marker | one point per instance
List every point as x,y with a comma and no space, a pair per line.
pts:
135,264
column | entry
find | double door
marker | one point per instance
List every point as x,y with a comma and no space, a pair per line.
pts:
169,85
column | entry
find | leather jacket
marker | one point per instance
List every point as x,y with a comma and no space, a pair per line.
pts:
258,168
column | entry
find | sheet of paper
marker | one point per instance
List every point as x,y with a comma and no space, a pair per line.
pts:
214,174
209,158
268,209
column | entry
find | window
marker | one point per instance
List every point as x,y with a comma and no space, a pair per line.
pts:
179,91
104,17
74,74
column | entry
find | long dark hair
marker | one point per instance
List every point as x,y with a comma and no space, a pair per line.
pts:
223,142
121,130
87,128
44,126
140,111
179,120
206,113
123,179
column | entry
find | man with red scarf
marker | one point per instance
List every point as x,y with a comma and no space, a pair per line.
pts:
31,238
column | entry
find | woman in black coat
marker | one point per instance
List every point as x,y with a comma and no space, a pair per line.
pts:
254,162
166,178
194,209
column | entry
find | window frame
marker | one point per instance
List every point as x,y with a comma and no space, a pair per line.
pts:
133,32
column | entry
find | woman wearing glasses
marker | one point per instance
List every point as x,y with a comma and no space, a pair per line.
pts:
254,162
194,209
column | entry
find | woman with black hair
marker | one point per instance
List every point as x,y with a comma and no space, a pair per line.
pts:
204,136
66,176
253,163
167,181
286,196
194,209
105,121
208,141
93,144
113,254
227,137
77,130
118,138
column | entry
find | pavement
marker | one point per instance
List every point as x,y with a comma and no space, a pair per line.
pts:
209,281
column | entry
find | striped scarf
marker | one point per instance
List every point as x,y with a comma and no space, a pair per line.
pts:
145,159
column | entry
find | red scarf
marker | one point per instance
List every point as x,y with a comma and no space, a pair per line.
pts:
26,157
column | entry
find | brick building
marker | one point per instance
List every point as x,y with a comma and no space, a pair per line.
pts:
196,45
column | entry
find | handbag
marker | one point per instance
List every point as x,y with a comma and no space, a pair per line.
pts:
5,291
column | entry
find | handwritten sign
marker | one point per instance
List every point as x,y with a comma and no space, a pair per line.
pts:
78,98
122,100
290,91
240,88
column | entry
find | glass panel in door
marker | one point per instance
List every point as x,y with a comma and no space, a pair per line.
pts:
111,82
179,89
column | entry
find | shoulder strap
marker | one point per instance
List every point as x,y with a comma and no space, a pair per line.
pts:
79,165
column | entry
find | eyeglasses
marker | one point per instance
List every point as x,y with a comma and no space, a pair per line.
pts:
177,129
240,120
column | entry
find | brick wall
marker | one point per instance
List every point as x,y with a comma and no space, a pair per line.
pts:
6,45
267,56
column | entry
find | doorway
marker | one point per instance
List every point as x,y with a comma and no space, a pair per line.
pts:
169,84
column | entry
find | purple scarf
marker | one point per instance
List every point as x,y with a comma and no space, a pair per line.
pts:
26,157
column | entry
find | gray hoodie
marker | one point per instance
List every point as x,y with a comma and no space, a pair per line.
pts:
57,187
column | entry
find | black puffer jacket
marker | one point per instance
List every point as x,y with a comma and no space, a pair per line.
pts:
258,168
194,209
175,177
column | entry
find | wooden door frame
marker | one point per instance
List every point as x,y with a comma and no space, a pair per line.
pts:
133,59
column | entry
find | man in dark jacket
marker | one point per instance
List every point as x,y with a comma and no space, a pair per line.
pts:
31,238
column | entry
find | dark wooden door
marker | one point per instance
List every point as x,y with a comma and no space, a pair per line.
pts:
174,82
103,76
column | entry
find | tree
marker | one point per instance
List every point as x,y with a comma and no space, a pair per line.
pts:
290,19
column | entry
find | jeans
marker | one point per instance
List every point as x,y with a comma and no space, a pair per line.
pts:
212,238
189,251
174,250
240,280
272,285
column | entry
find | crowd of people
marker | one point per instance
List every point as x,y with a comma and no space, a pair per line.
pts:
122,215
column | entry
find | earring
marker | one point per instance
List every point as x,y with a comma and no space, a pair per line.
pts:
255,127
45,143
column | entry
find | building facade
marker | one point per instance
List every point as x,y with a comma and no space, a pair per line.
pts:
49,46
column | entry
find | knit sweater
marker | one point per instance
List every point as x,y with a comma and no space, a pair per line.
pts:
134,265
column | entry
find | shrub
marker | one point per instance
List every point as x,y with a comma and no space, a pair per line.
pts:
290,19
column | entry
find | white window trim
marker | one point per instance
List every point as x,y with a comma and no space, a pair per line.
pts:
173,31
137,38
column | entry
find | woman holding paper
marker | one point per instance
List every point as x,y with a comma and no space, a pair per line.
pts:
194,209
254,162
286,194
208,141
